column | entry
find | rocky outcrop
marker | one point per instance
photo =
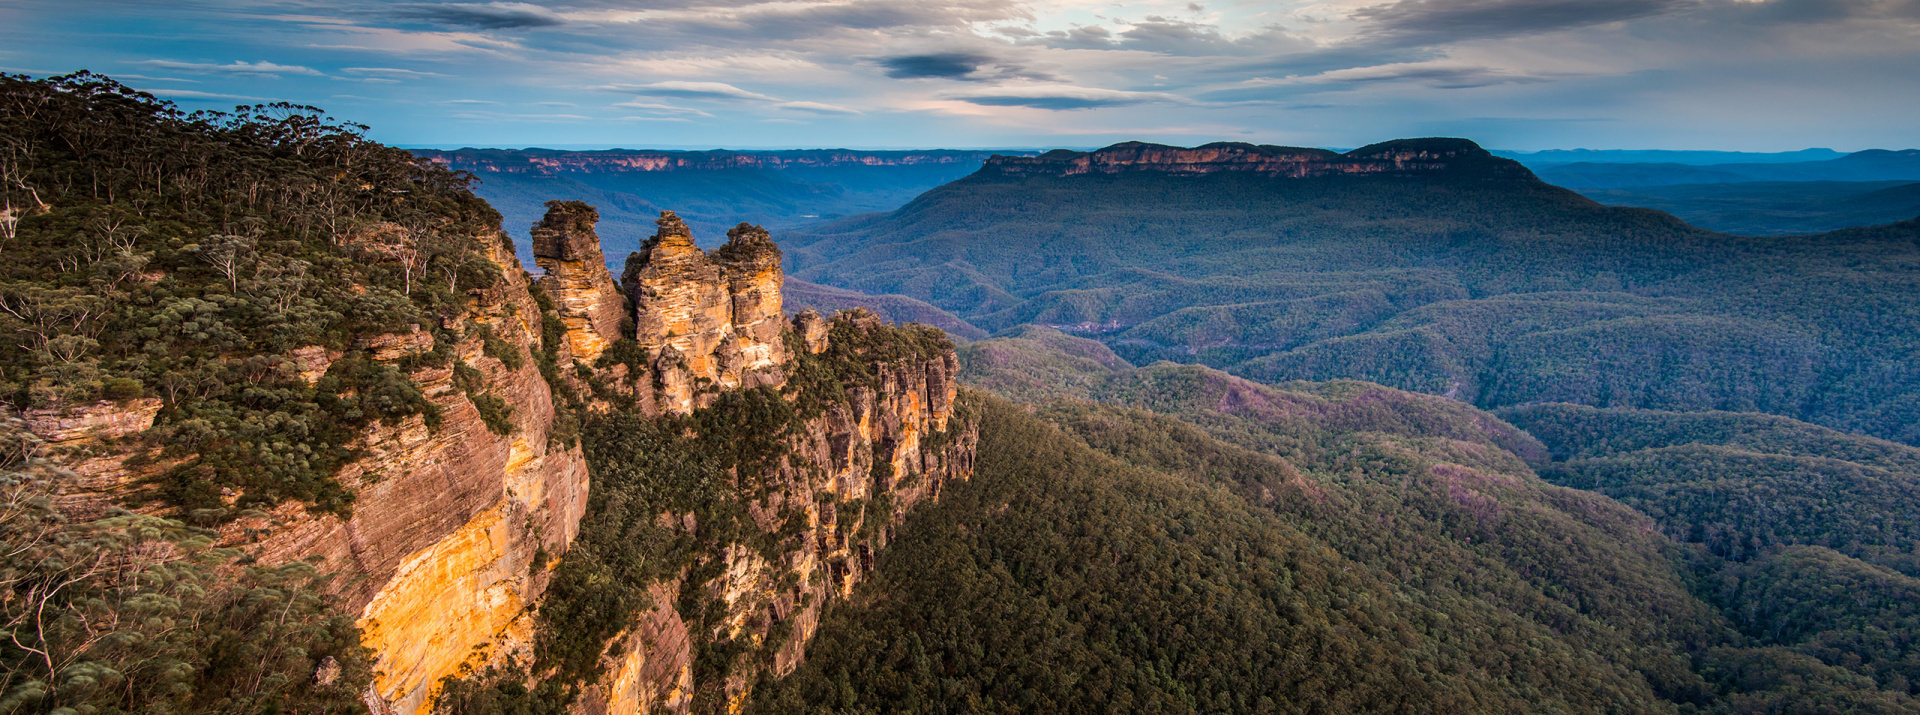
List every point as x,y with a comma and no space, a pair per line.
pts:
456,526
711,322
1400,157
583,293
851,475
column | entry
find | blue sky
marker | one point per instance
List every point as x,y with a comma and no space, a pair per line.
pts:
1754,75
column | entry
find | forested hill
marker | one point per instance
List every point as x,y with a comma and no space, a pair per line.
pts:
1490,286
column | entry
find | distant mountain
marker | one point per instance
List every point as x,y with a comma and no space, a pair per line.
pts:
1870,165
711,190
1548,157
1427,265
1774,207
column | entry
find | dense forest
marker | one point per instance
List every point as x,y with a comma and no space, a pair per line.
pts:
1069,574
1500,291
1107,559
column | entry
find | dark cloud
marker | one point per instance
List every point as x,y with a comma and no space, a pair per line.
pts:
1168,36
942,65
1065,97
1455,20
485,16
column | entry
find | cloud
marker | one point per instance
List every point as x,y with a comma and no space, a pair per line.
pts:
1442,21
663,109
192,94
694,90
155,79
1440,76
1064,97
817,108
485,16
943,65
389,72
237,68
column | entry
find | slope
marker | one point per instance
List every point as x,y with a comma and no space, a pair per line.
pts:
1460,275
1774,207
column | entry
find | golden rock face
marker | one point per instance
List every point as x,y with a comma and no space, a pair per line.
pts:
712,322
583,292
438,555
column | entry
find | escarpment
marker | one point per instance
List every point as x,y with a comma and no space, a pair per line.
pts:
278,392
1404,157
443,553
813,439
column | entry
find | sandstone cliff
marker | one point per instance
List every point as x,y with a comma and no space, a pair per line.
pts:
872,431
589,304
1400,157
462,512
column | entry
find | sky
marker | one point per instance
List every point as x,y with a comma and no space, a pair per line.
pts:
1739,75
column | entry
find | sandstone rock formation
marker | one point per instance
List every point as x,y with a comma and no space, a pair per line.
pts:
710,322
455,527
852,474
591,306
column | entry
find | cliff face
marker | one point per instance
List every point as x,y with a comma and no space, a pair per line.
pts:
848,471
850,475
1401,157
439,554
457,525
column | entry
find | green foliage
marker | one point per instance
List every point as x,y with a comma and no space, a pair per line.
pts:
132,613
162,254
1806,538
1061,579
625,351
1425,498
495,412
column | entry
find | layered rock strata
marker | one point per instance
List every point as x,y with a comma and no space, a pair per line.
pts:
449,523
849,477
455,528
567,248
